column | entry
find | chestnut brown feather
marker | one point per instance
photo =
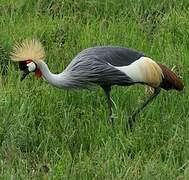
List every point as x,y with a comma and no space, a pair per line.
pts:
170,79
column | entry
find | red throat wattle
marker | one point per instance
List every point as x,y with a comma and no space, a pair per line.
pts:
38,73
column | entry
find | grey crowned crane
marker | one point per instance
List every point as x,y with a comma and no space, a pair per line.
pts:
103,65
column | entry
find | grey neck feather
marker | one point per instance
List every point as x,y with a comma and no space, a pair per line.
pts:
58,80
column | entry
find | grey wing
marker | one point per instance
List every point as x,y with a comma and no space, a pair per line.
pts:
114,55
84,73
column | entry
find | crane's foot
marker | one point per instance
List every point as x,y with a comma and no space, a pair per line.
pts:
131,121
111,120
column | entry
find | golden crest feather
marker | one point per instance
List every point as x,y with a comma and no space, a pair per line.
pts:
28,49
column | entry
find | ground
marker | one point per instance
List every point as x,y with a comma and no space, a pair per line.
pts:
50,133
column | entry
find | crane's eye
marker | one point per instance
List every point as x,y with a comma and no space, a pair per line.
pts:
31,66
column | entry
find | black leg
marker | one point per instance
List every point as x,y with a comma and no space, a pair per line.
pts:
132,119
107,90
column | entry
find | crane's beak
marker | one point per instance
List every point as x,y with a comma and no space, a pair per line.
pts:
24,73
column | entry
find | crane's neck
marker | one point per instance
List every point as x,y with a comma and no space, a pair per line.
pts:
59,80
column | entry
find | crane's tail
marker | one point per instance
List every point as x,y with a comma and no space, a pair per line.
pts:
170,79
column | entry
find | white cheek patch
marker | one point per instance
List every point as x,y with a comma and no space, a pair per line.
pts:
31,66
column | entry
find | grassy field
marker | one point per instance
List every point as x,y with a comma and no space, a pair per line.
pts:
50,133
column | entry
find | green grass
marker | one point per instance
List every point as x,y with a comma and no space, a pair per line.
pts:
67,131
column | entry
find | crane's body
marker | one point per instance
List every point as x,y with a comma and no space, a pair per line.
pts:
98,65
104,65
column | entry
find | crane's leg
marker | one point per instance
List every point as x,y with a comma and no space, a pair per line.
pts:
107,90
132,119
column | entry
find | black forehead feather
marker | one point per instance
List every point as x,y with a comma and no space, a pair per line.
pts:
22,65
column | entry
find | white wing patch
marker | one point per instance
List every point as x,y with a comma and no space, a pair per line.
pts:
133,70
143,70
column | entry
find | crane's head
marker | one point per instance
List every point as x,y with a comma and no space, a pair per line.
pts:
28,66
29,54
